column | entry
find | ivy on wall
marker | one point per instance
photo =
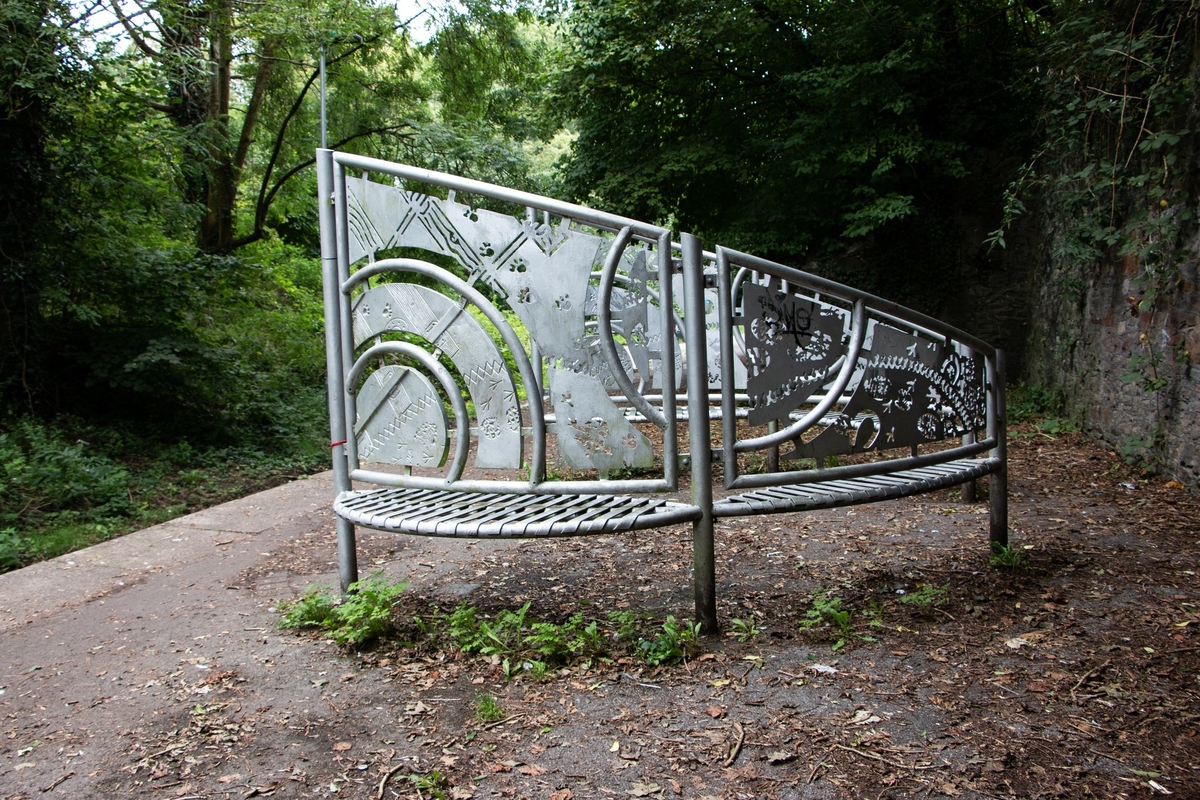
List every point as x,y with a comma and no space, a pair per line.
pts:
1114,169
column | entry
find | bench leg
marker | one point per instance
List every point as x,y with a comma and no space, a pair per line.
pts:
998,506
704,577
347,554
998,481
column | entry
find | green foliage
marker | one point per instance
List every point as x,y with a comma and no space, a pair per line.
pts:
926,597
1055,426
677,641
874,614
432,785
1138,451
11,550
358,619
1115,165
41,473
69,485
1027,402
487,709
522,645
1006,556
744,629
312,610
827,611
877,121
625,623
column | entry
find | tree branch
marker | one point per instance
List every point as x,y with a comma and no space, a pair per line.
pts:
133,34
264,203
263,194
265,66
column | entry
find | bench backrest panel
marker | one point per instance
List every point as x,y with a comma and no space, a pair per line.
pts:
541,272
540,321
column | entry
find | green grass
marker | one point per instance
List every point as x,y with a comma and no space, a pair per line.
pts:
1006,557
487,709
69,484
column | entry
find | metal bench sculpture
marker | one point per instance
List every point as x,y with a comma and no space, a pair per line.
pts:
538,323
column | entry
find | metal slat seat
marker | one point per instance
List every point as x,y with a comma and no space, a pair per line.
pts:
431,512
853,491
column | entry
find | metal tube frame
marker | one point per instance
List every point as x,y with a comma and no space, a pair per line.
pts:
339,285
335,383
862,301
704,579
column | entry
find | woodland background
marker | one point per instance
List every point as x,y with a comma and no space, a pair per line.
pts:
1025,170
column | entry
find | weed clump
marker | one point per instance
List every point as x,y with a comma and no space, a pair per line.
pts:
361,617
827,611
1006,556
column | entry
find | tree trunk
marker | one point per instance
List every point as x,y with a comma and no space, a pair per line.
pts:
216,228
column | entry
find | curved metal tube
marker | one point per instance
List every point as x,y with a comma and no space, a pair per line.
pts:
859,332
461,419
653,294
533,395
607,346
887,308
587,216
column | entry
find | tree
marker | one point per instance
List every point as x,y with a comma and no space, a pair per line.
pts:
207,55
797,130
39,71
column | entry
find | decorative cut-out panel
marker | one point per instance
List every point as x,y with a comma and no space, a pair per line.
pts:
791,345
541,269
419,310
637,319
910,391
401,419
589,435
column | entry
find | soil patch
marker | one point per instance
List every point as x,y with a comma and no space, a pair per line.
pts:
1073,675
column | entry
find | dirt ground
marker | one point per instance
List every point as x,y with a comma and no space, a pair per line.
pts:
1075,675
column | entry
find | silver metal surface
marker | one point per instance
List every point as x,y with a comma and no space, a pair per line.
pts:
347,547
704,578
902,379
420,310
542,271
568,310
452,513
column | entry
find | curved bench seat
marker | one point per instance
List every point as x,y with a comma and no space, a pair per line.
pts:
537,334
853,491
429,512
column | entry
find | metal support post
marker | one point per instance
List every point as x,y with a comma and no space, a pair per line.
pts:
347,550
704,577
968,488
998,480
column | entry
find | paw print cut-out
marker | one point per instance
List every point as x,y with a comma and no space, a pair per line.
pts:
563,303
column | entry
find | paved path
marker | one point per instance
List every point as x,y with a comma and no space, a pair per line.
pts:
151,639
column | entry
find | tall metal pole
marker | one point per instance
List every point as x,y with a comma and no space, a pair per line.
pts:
998,480
324,142
347,552
704,576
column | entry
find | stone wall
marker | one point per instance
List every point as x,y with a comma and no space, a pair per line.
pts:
1086,328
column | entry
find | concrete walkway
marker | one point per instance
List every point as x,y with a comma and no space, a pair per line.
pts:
150,665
